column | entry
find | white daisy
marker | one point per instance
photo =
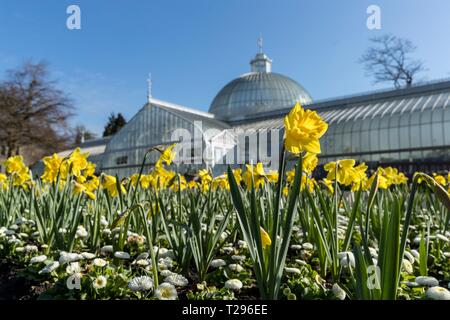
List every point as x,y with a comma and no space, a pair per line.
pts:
301,262
122,255
427,281
296,247
107,249
338,292
217,263
81,232
242,244
99,282
143,262
99,262
410,257
238,257
103,221
228,250
15,241
2,232
407,266
67,257
373,252
292,270
233,284
73,267
307,246
224,236
143,255
88,255
442,237
166,291
23,235
415,253
346,258
236,267
38,259
9,232
165,263
162,252
438,293
177,280
411,284
50,267
165,273
142,283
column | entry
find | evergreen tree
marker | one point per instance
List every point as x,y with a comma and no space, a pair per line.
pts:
114,124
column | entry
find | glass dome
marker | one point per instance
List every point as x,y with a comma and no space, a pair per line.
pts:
256,92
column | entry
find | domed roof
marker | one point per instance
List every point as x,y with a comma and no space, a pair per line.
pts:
258,91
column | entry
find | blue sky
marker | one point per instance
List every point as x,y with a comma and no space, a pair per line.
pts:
194,47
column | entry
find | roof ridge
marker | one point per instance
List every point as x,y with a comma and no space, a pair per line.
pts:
178,107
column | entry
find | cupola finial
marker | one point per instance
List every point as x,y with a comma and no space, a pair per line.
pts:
261,63
260,43
149,87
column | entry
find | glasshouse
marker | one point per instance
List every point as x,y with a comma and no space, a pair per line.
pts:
408,128
275,197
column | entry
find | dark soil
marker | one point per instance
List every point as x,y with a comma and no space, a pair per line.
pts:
15,286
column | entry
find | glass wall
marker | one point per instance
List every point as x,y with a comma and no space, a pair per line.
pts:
151,126
412,128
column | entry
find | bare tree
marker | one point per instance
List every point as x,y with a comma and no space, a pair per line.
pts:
33,112
389,60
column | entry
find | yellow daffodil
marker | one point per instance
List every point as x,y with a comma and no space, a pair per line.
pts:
310,162
440,179
92,183
303,128
221,182
179,184
90,169
256,173
307,183
78,161
3,181
204,175
167,155
328,184
14,164
382,181
265,239
343,171
290,175
82,189
237,173
360,177
192,184
110,184
52,166
272,176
